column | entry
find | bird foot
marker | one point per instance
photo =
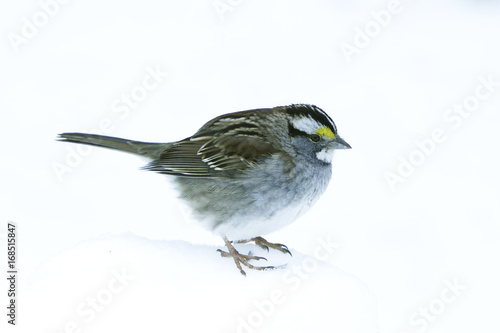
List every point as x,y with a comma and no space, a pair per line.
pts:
240,259
264,244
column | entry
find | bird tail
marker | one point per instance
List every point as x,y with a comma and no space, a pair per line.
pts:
146,149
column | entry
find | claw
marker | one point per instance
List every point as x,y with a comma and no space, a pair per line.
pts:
242,258
264,244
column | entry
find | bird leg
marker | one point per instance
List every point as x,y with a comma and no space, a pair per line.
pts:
262,243
242,258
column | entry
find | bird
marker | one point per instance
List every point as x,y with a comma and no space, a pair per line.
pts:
244,174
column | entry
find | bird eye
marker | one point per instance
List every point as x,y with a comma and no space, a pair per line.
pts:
314,137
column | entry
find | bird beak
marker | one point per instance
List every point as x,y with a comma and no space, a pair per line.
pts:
339,143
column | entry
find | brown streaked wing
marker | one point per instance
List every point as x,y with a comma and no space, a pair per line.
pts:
234,152
228,142
209,157
181,159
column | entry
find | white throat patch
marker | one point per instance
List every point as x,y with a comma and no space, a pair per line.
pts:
325,155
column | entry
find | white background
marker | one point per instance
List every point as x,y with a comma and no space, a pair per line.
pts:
439,223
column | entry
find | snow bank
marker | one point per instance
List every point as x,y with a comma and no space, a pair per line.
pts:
132,284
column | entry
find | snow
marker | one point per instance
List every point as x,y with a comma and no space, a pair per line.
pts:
418,100
131,283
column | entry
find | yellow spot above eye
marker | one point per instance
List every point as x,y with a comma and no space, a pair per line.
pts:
326,132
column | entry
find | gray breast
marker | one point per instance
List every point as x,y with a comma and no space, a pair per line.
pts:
257,193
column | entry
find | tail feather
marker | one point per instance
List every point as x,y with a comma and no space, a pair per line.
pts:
146,149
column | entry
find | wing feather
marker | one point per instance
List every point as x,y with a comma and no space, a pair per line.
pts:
221,146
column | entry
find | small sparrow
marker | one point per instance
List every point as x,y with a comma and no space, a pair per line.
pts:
244,174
